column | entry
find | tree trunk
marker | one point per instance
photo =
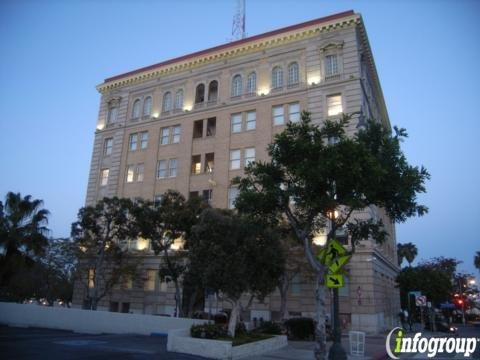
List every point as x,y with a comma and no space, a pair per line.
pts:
178,299
232,323
320,333
191,302
283,288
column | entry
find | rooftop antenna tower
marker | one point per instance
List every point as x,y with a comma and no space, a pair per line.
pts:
238,26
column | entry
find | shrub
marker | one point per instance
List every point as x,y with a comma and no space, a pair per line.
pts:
240,329
269,327
300,328
208,331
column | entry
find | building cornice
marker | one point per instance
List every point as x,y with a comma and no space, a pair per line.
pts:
231,50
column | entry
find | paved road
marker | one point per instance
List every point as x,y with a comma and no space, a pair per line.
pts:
38,344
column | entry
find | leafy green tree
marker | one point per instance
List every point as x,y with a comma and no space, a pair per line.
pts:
407,251
476,260
316,172
235,256
23,234
98,235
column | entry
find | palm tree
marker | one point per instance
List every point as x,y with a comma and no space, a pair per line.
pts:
407,251
476,260
23,232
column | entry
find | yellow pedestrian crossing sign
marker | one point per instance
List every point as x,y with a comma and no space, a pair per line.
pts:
334,281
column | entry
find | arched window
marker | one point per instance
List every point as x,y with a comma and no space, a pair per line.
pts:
147,106
293,77
136,109
200,94
167,102
277,77
213,91
252,83
237,86
179,99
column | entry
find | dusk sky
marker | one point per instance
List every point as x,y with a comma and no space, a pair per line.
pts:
53,53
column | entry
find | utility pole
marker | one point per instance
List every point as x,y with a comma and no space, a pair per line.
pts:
238,26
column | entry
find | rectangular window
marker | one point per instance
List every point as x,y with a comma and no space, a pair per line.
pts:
127,282
133,142
143,140
297,284
207,196
164,284
91,278
125,307
209,162
193,194
211,126
234,159
331,65
140,172
112,115
232,195
277,113
294,112
165,136
130,173
173,167
157,200
176,134
104,177
162,169
251,120
334,105
151,280
196,164
107,146
249,155
198,129
236,123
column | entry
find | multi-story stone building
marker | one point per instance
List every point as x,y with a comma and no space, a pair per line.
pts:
192,123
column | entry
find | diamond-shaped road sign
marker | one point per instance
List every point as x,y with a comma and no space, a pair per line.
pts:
334,281
338,263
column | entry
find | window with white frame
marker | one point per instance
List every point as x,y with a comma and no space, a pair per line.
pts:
167,102
249,155
294,112
107,146
147,106
293,74
278,116
331,65
252,83
143,140
232,196
277,77
162,169
130,173
179,99
172,166
140,172
334,105
234,159
112,114
132,142
176,134
251,120
104,177
237,86
165,136
136,109
236,123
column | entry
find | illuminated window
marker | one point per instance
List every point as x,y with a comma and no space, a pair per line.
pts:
167,102
172,167
147,106
277,77
150,281
133,142
196,164
294,112
251,120
104,177
140,172
277,113
209,162
234,159
136,109
107,146
331,65
293,76
252,83
130,173
334,105
179,99
91,278
176,134
249,155
143,140
162,169
232,196
237,85
165,136
236,123
127,282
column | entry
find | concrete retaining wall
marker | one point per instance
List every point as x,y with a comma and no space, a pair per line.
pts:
87,321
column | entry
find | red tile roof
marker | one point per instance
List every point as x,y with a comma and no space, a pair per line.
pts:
234,43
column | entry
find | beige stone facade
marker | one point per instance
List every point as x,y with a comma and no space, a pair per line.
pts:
324,66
